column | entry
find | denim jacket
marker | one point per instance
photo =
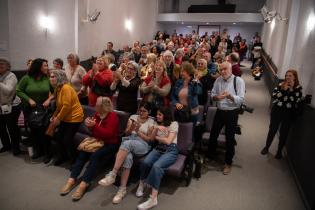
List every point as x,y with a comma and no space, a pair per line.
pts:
194,89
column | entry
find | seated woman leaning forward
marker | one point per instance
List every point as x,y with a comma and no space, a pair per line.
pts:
104,127
160,158
136,143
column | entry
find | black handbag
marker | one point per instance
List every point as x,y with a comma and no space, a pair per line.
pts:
38,117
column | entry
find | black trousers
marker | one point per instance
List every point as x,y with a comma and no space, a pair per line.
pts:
9,130
280,117
64,138
229,120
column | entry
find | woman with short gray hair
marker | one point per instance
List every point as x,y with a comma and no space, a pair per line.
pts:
9,110
68,115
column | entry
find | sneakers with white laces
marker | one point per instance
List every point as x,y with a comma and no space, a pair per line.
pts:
120,195
140,189
108,180
150,203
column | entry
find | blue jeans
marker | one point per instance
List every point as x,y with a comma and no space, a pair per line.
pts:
94,158
155,164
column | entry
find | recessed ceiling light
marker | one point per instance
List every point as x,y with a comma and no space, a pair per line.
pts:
234,23
207,23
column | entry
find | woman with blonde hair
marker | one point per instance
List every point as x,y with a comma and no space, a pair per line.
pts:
286,98
156,88
75,73
147,70
104,127
99,79
68,115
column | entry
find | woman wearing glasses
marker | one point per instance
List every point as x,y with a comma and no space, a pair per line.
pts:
127,83
137,143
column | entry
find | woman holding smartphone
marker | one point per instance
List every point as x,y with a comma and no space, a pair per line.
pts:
286,98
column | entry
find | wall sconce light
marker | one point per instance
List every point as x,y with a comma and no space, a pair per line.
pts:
128,25
47,23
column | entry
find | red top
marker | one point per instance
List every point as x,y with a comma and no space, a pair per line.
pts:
107,129
236,70
164,81
103,78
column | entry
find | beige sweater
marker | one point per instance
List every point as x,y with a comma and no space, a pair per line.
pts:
8,84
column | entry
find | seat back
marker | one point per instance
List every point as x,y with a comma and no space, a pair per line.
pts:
123,119
184,137
210,117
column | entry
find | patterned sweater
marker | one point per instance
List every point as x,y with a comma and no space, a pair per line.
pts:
288,99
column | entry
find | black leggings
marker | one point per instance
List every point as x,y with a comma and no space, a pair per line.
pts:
64,138
10,130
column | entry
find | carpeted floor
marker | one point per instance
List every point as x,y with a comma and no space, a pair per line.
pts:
256,183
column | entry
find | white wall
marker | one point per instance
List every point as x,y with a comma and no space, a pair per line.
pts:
241,5
247,31
28,40
301,55
110,25
4,32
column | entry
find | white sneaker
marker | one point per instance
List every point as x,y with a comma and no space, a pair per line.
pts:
150,203
140,189
120,195
108,179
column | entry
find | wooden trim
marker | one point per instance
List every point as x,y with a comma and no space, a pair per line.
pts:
269,62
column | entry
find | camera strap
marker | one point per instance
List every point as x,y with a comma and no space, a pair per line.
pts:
234,83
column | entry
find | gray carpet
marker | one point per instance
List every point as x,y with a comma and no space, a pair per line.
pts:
256,182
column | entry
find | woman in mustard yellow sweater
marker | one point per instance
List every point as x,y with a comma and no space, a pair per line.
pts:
68,115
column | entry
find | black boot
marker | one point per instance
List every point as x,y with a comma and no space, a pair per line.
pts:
279,154
264,151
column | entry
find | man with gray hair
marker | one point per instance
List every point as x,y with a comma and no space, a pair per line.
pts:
229,99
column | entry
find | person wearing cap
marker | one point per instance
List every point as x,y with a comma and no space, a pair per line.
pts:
127,84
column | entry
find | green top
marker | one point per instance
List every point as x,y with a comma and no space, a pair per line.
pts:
29,87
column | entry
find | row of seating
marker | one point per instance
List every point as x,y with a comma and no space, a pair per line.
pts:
182,168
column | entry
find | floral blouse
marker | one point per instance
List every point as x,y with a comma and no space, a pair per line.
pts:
288,99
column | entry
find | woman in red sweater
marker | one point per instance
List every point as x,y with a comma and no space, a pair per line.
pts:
99,79
104,126
156,88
